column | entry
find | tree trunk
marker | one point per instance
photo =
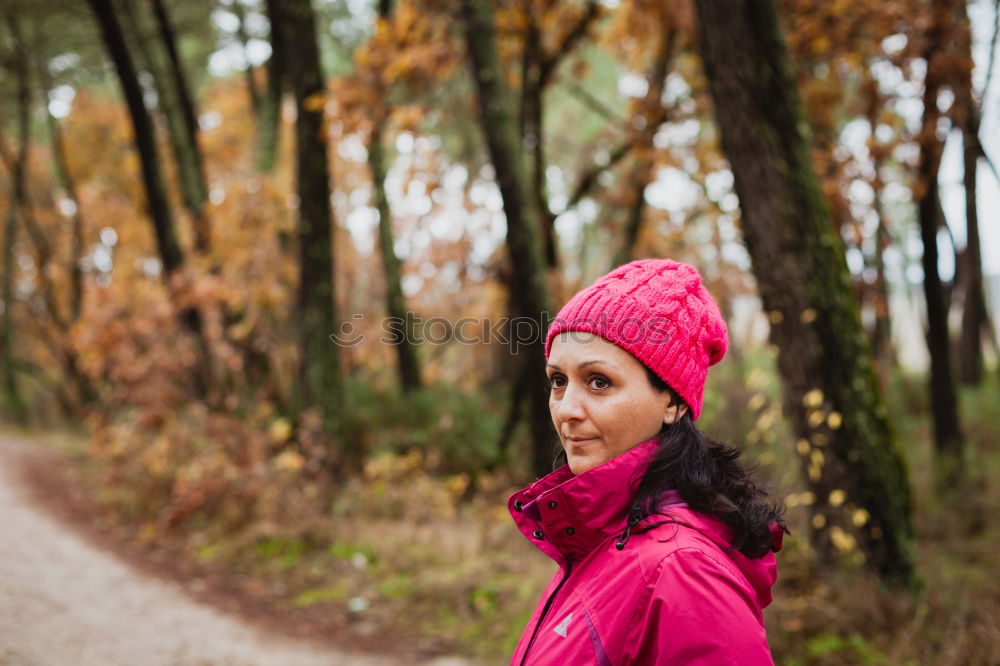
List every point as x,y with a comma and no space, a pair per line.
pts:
249,75
948,444
68,184
401,323
528,296
168,248
947,436
830,391
532,138
882,348
653,114
270,103
319,371
975,318
148,41
156,194
974,314
191,162
19,174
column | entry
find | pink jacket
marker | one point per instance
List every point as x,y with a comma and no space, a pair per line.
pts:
674,595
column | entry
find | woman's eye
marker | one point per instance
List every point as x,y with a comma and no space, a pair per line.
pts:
599,382
557,381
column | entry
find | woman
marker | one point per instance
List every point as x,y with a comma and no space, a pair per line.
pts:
664,544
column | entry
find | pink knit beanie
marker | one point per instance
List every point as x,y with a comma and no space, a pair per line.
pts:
657,310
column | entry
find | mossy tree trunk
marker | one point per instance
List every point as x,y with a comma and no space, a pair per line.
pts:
830,393
320,382
19,175
528,290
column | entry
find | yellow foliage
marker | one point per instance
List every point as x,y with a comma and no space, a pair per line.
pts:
280,430
315,102
289,461
813,398
841,540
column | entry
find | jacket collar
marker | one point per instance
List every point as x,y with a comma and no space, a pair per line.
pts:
567,516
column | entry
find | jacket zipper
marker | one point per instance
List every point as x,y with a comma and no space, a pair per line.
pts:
545,612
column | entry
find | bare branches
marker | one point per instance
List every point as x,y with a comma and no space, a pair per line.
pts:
579,30
993,51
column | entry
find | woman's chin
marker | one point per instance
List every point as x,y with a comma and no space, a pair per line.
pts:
578,464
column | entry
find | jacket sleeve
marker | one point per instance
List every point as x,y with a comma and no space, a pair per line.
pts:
700,613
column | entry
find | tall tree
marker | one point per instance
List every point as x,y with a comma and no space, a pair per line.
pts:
270,101
68,184
147,41
878,295
975,319
22,211
249,72
145,140
947,434
402,325
830,392
538,68
293,23
19,174
653,114
169,249
189,157
528,290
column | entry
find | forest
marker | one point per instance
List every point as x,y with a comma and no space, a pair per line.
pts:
275,276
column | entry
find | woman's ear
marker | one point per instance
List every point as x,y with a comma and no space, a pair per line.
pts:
675,411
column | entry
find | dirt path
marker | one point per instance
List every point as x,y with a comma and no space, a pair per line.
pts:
65,602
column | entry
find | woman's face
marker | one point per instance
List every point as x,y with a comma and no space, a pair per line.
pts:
602,403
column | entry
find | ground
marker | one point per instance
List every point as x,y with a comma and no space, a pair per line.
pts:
72,594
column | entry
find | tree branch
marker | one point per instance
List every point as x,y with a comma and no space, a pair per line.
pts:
591,101
993,50
589,178
548,65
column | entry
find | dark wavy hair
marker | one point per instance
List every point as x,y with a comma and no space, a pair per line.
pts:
711,479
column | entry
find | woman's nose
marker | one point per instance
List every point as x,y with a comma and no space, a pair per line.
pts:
570,405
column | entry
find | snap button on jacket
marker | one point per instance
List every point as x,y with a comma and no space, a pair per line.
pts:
673,595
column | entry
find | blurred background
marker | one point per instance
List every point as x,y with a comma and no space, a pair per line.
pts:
275,272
